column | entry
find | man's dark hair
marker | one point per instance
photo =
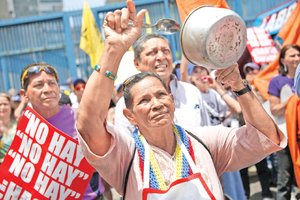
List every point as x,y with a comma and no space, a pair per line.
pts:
25,81
131,81
138,46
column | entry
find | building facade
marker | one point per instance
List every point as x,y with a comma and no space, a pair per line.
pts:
24,8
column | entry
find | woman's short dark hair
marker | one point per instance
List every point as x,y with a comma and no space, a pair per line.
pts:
131,81
283,70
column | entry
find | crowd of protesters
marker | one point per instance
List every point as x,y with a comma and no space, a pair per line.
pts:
219,103
199,98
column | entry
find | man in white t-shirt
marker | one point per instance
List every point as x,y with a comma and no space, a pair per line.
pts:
152,53
216,99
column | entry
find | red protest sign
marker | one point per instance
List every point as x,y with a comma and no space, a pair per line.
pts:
43,163
261,46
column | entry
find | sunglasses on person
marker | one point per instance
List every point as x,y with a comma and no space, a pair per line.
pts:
79,87
127,81
37,70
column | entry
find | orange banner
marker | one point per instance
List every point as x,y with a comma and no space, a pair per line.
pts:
186,6
292,115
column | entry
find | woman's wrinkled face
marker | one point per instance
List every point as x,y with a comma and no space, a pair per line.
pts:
152,105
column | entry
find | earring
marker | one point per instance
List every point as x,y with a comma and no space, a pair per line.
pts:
285,69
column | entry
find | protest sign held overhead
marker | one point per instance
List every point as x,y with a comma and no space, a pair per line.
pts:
43,163
261,46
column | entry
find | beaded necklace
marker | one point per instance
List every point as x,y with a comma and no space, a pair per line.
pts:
183,170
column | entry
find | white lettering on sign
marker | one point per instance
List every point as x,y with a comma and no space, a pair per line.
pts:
49,164
62,172
260,45
273,23
28,148
52,189
264,54
15,191
70,151
43,164
36,130
20,167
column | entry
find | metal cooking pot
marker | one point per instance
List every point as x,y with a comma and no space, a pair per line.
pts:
213,37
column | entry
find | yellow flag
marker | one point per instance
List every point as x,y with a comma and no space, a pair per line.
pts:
90,39
148,21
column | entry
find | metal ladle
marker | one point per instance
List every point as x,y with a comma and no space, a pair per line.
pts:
164,26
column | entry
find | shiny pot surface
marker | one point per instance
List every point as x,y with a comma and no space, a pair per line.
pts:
213,37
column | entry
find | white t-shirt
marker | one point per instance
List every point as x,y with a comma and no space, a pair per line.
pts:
74,100
216,107
189,109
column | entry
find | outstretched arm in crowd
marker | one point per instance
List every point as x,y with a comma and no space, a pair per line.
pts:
20,108
277,108
229,100
119,36
252,109
184,65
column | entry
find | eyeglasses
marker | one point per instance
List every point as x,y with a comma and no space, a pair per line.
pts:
79,87
37,70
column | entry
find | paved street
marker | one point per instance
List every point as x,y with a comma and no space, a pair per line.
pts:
255,189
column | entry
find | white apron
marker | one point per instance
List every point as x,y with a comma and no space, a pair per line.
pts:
192,187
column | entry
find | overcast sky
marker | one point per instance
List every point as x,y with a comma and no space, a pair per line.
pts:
78,4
